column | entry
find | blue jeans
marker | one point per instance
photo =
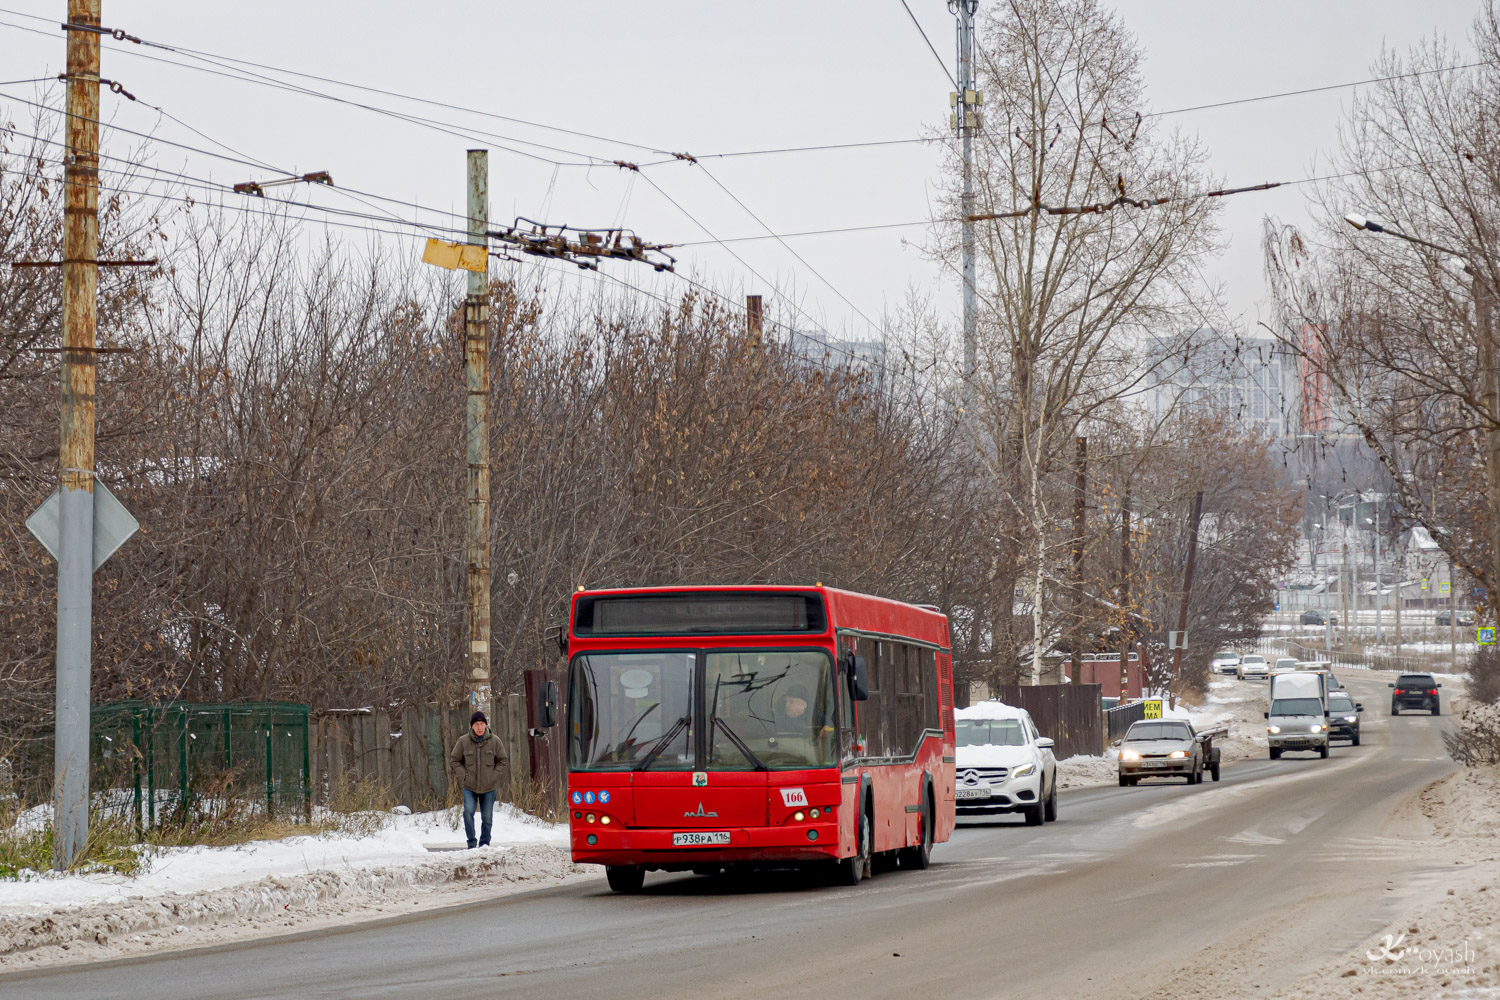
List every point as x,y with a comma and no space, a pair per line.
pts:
486,804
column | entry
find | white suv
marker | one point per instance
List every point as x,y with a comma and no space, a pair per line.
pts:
1002,765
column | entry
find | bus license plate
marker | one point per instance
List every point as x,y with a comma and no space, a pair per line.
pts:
696,839
978,792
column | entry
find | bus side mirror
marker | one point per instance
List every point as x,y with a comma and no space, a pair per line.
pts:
859,679
544,711
559,634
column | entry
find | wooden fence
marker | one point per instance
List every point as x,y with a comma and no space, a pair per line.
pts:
402,757
1070,714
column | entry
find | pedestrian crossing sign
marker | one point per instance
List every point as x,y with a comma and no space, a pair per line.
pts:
1445,588
1486,636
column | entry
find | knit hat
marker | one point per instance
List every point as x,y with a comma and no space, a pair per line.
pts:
478,717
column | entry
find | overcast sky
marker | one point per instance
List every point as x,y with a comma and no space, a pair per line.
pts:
705,77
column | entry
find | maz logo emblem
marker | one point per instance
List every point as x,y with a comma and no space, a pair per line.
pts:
700,814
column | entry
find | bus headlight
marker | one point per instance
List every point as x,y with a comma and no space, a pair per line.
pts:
1273,729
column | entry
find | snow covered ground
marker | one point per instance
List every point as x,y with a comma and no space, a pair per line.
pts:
195,895
195,869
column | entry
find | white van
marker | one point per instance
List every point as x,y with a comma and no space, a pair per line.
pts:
1298,715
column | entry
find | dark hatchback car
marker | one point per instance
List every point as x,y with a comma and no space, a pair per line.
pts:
1415,691
1311,617
1343,717
1446,618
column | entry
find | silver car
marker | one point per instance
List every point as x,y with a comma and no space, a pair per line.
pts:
1161,748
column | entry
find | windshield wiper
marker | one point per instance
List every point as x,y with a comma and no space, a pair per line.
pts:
663,743
641,718
734,738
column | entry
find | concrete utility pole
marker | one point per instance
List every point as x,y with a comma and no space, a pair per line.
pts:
1187,589
75,556
1452,619
1484,314
966,120
477,422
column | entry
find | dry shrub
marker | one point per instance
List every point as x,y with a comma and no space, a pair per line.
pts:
1475,741
1484,676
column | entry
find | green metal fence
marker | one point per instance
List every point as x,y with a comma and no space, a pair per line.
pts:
179,761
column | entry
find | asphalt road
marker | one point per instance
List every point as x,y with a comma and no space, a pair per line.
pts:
1231,889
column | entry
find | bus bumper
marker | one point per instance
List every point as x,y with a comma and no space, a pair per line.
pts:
653,848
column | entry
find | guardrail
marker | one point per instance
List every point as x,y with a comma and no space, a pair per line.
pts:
1368,660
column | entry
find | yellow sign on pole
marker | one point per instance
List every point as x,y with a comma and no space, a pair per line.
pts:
453,256
1153,708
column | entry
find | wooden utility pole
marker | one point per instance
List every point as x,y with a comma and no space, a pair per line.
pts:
75,556
753,317
1080,524
477,422
1187,590
1124,594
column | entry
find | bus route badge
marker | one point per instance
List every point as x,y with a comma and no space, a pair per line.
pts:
700,779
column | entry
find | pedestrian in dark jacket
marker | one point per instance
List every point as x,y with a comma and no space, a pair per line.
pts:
477,759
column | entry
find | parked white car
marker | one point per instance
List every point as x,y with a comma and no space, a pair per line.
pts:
1225,662
1252,665
1002,765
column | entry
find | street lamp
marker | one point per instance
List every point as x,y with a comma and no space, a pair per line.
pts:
1484,293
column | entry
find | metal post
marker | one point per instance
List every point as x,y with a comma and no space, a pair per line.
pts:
965,11
75,557
1400,593
1187,589
477,485
1125,624
1379,633
270,767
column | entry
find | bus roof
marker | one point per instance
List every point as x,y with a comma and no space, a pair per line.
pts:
848,609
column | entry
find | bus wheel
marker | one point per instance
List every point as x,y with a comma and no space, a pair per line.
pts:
849,871
920,857
625,878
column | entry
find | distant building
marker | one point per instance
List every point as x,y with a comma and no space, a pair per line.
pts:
1251,380
823,349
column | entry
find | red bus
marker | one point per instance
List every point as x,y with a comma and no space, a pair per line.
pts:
771,726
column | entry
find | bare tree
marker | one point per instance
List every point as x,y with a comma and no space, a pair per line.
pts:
1078,266
1397,341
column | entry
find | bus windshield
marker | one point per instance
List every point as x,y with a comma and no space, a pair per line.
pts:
762,710
629,711
769,710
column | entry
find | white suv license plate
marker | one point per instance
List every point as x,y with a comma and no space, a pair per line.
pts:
980,792
695,839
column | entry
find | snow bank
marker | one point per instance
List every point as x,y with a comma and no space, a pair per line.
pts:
407,838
